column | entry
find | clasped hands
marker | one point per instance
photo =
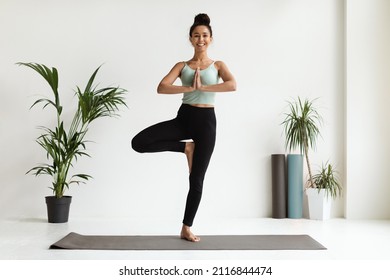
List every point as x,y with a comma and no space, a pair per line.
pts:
197,83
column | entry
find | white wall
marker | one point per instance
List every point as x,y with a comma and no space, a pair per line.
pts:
276,49
368,99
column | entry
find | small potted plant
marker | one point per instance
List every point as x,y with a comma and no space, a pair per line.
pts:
63,146
327,188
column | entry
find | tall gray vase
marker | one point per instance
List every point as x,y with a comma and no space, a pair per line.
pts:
295,185
279,186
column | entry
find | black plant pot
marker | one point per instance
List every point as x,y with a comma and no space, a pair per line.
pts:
58,209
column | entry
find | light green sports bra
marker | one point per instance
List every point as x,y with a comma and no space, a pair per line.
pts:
208,76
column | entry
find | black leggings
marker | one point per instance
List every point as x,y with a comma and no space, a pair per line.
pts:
198,124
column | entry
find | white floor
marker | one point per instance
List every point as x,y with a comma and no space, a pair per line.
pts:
29,239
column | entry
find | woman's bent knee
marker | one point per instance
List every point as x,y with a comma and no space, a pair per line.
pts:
137,145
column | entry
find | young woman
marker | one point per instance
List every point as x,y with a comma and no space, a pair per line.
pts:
195,121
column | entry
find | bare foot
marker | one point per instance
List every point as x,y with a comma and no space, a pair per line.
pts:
189,151
188,235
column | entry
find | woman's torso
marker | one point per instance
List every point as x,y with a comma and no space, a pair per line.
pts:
209,76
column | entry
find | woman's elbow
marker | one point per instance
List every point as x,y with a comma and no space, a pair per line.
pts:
160,89
233,86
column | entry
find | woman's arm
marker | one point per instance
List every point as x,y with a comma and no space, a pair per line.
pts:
166,85
229,83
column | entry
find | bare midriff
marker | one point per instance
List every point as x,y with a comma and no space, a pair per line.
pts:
202,105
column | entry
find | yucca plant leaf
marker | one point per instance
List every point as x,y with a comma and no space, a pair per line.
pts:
82,176
50,75
48,102
90,81
43,169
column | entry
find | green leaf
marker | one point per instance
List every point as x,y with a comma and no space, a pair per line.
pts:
327,178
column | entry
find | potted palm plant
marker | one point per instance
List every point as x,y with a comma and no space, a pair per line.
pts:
301,127
63,146
328,187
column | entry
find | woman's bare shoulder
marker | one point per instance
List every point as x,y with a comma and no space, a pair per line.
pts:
219,64
177,67
180,64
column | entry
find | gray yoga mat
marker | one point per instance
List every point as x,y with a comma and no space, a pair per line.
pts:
279,186
167,242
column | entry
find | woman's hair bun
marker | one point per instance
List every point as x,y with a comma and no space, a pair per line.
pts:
202,19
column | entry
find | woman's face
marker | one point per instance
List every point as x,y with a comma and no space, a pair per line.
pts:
201,38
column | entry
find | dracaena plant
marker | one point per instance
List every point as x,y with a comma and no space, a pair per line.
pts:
63,146
301,127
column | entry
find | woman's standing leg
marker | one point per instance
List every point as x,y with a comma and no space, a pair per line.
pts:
203,132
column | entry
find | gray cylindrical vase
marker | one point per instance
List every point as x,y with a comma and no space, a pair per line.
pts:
279,186
294,185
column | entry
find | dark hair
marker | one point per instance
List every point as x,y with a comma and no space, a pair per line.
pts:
201,19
